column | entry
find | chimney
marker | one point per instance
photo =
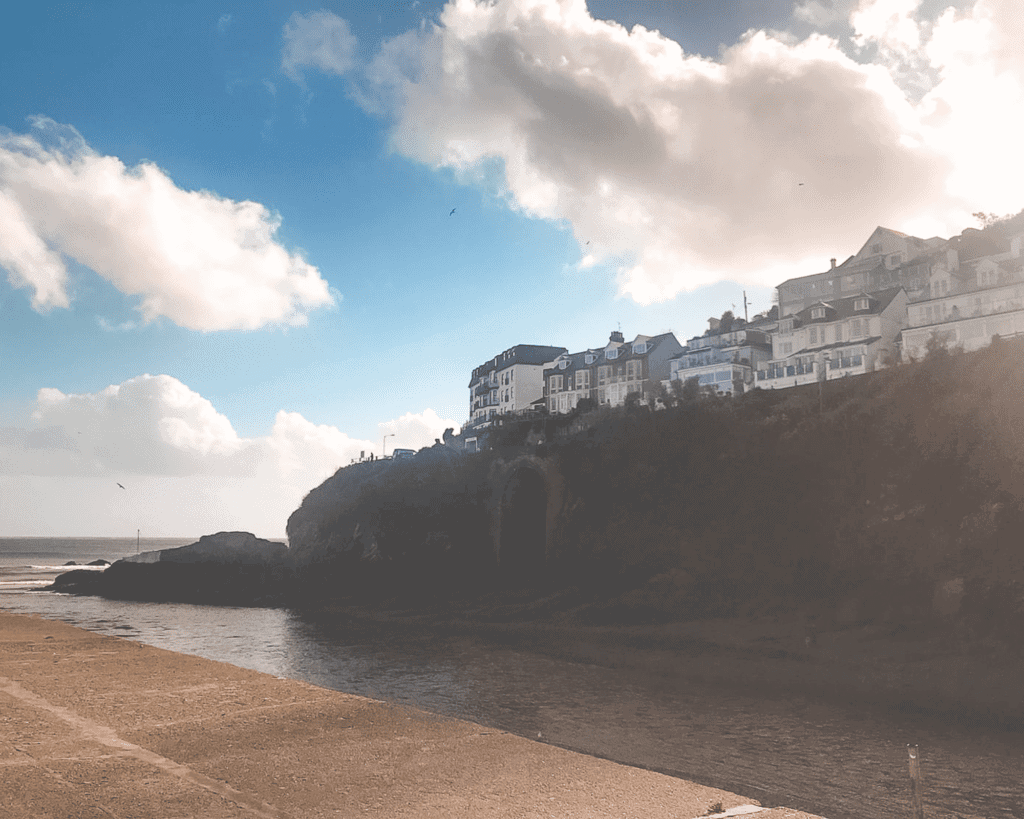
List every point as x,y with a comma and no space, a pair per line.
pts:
833,261
616,336
952,259
713,324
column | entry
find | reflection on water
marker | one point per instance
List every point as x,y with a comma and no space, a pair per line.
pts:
834,761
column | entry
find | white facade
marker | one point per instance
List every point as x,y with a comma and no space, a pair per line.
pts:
509,383
970,304
856,335
875,266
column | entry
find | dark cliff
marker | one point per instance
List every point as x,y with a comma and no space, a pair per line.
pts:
897,496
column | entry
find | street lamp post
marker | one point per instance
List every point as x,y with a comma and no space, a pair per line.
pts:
384,443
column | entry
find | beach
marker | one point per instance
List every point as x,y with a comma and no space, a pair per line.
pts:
101,726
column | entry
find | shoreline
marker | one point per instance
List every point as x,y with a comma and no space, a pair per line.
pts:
103,724
924,664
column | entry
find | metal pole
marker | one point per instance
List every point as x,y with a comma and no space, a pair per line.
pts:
916,788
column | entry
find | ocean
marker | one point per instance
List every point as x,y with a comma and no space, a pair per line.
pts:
825,758
29,562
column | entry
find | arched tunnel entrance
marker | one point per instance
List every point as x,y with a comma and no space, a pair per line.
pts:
522,542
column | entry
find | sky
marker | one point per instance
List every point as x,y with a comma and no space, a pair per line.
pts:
241,244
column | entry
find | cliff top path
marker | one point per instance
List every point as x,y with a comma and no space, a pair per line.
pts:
94,726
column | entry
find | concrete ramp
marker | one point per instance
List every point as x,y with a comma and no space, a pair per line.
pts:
98,726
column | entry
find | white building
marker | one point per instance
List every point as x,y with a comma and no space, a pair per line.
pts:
829,340
887,259
724,360
969,303
509,383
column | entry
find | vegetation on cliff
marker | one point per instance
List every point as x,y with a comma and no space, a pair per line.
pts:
894,496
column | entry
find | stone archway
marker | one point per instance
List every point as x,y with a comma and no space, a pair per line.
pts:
522,527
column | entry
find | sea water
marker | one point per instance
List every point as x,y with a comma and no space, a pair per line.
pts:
823,758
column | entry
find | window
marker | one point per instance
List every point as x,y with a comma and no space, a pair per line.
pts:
640,348
612,353
839,332
855,328
814,336
555,383
563,363
632,370
860,304
602,374
589,358
817,312
787,348
583,379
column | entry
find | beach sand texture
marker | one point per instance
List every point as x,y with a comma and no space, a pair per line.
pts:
94,726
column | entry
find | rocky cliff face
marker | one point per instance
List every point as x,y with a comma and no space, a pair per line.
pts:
895,496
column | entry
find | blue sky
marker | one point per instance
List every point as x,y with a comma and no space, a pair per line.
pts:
228,264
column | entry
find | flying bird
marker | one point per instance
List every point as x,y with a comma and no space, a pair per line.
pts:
452,213
799,184
120,485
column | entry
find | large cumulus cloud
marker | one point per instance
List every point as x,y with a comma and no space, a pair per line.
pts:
176,455
203,261
684,170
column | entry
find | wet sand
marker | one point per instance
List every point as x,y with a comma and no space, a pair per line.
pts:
95,726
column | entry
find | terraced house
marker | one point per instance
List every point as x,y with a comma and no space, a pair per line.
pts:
608,374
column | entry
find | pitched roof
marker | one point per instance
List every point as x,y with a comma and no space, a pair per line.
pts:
844,308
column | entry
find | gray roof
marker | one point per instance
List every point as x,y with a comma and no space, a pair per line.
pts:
844,308
520,354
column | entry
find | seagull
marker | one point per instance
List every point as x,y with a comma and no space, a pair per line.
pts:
452,213
120,485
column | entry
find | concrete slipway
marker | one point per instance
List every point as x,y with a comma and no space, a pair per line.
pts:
94,726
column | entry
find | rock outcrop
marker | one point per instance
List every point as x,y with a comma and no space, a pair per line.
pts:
228,568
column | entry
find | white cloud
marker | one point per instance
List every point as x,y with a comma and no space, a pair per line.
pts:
203,261
683,170
975,111
176,455
415,430
320,40
224,23
891,23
